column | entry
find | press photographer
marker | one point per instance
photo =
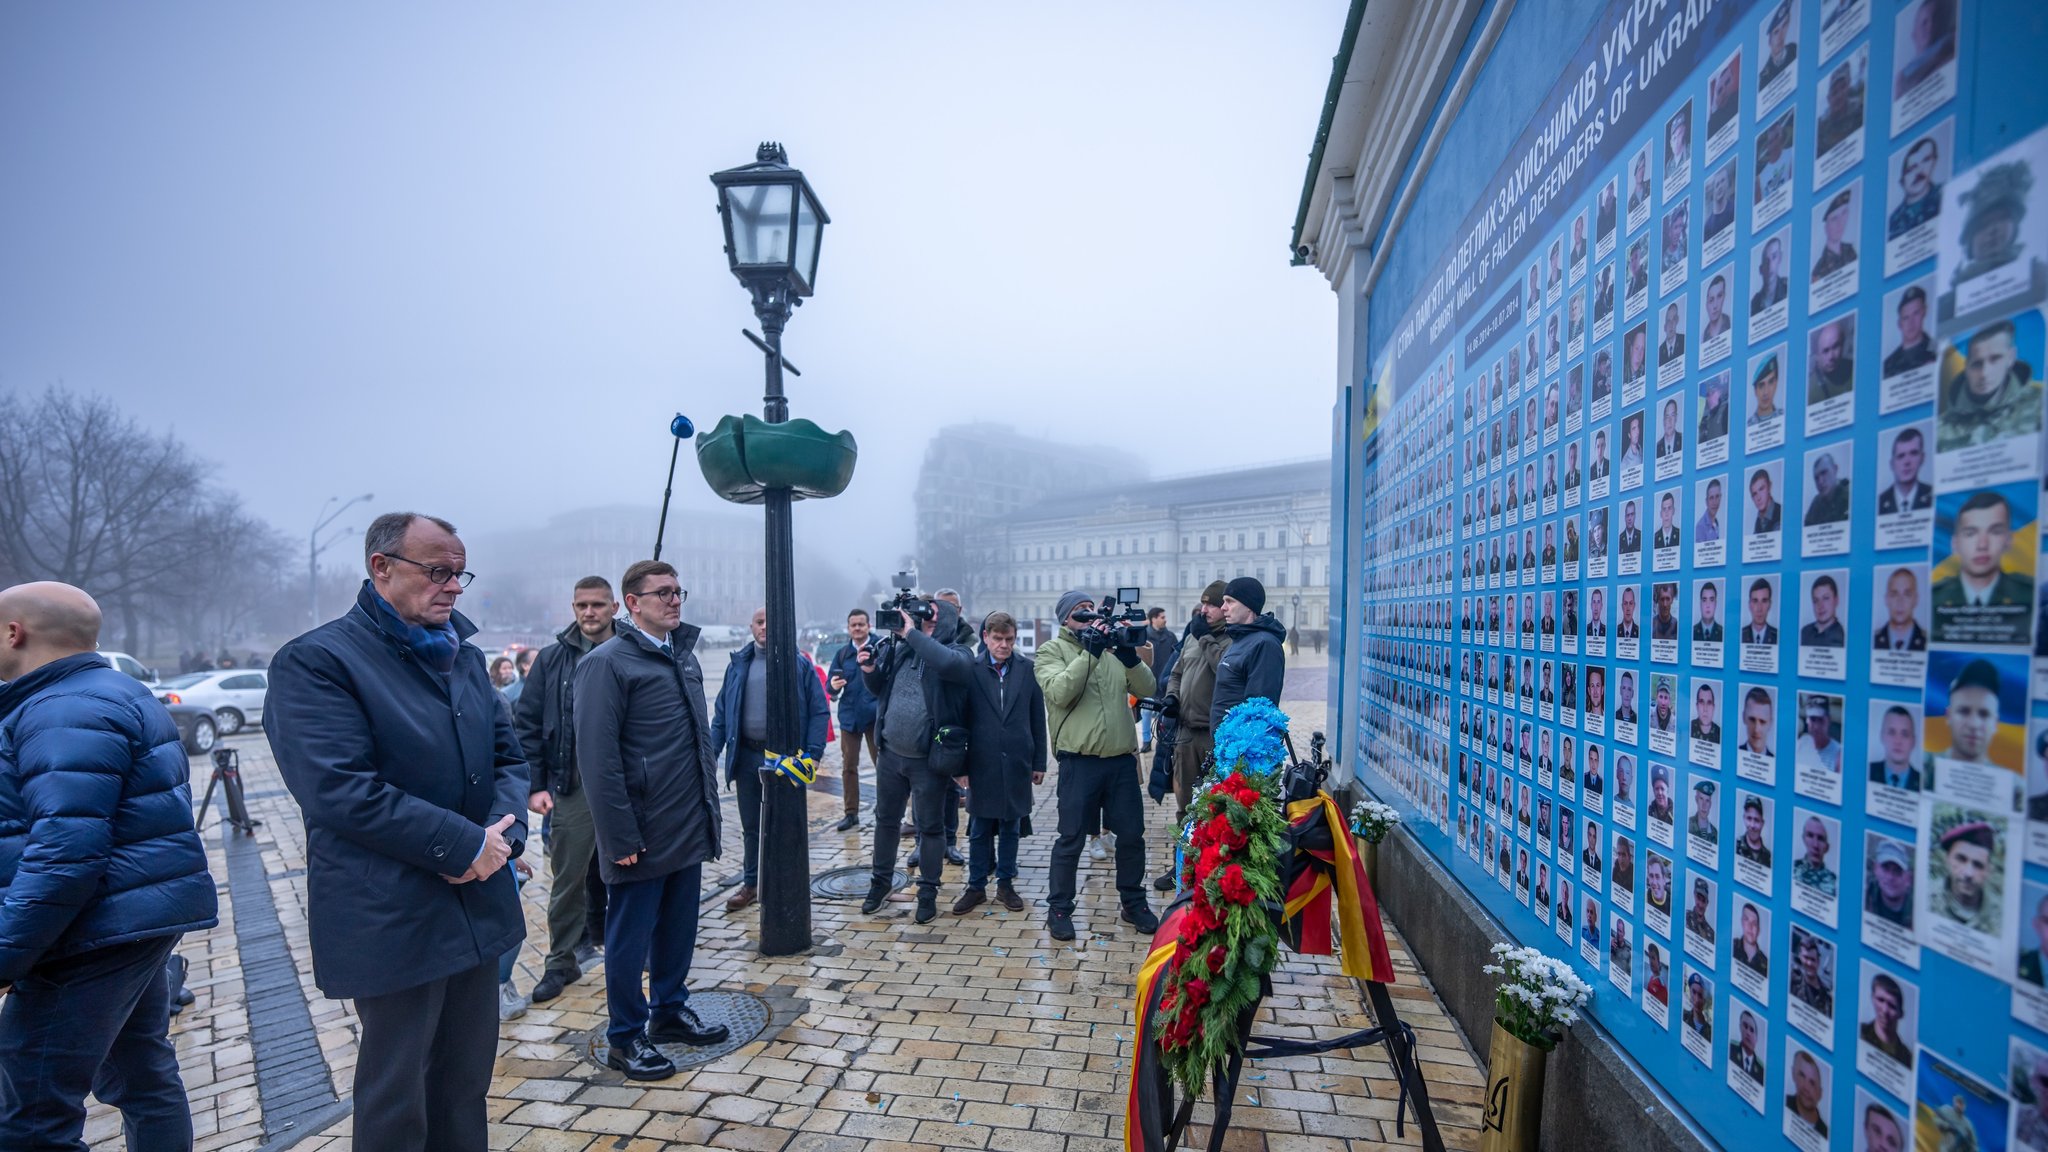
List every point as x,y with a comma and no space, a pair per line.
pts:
920,682
1088,672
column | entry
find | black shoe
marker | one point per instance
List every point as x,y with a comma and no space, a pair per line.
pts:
970,900
927,907
639,1059
954,857
686,1028
588,954
1140,916
1167,881
847,823
878,892
1007,896
1061,924
552,982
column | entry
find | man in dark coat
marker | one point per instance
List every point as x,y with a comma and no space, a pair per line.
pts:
856,715
1164,645
100,872
643,742
404,764
920,678
739,736
1254,665
544,717
1005,759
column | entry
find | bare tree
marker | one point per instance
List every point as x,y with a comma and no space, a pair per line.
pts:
91,498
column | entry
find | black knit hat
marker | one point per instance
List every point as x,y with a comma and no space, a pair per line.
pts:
1248,592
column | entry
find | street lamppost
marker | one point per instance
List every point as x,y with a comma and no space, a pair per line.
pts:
314,547
773,223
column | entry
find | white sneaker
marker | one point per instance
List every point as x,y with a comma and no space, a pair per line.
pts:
511,1004
1099,847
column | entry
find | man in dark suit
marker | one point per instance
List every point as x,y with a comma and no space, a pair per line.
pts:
1631,533
1900,765
1600,463
1005,759
1825,630
1667,535
1759,630
1707,626
1900,632
1769,513
1907,492
403,761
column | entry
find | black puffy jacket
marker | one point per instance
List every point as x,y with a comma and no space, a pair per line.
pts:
1255,665
96,838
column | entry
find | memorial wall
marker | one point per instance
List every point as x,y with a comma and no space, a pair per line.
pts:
1701,635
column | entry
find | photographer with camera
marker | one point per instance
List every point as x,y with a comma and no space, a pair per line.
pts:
1254,665
920,683
1088,673
856,715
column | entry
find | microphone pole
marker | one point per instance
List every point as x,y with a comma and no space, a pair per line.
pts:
682,430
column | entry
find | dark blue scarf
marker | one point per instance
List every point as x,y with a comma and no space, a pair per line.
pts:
434,646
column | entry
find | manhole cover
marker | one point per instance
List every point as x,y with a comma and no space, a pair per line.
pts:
851,883
744,1016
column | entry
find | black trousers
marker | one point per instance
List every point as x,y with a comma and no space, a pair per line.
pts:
1098,791
97,1022
901,780
424,1064
747,782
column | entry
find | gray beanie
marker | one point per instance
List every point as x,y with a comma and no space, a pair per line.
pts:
1067,603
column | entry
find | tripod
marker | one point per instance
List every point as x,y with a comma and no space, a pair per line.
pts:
227,775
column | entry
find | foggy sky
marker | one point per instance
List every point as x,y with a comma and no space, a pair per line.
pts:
466,256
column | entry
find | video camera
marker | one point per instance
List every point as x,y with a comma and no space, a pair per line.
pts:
890,616
1123,620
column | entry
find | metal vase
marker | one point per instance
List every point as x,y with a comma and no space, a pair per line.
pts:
1514,1094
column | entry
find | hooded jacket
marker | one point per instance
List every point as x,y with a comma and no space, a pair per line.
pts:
1087,697
643,746
96,839
813,709
544,714
1255,665
947,664
1194,674
397,769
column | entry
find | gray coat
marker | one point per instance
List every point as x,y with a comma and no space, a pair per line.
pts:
643,748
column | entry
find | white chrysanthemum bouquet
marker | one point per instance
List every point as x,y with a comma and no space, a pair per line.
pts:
1539,996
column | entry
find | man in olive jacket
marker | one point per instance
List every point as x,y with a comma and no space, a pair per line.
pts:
1087,682
643,745
1005,759
402,758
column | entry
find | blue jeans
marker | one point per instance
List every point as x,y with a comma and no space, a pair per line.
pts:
991,844
96,1022
511,956
650,926
1145,726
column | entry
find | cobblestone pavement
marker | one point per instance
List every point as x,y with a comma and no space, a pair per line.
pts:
978,1031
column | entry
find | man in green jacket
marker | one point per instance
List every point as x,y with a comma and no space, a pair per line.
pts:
1088,681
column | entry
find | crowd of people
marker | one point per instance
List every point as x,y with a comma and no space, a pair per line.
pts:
418,770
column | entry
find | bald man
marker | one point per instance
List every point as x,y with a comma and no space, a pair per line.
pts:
100,873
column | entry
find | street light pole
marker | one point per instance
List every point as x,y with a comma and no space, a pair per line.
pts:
314,547
773,224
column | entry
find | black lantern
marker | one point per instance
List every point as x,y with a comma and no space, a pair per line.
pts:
773,222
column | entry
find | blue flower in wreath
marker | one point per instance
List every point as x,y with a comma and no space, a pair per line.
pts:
1254,737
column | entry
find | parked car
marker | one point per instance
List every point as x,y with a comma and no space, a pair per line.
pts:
125,663
197,729
233,695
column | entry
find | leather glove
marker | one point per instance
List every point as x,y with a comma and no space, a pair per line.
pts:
1128,657
1170,707
1094,642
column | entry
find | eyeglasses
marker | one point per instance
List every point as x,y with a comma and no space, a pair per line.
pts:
667,595
436,574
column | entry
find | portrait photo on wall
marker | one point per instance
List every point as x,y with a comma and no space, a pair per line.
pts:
1776,148
1899,615
1991,243
1758,632
1717,216
1887,1027
1898,768
1678,150
1976,711
1831,374
1955,1106
1924,60
1905,498
1825,521
1724,105
1777,54
1987,419
1909,368
1817,755
1835,260
1984,569
1890,903
1918,171
1823,637
1838,127
1764,421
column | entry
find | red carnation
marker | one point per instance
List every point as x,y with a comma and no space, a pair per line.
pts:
1197,993
1234,886
1218,957
1211,859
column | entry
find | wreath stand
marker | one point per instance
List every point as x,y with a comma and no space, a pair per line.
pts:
1156,1119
